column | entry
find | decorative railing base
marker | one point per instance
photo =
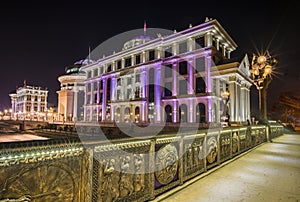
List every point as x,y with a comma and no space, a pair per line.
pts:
121,169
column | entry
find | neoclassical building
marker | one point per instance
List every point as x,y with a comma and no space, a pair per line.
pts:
187,76
71,93
29,103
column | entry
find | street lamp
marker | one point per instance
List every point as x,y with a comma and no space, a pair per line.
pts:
261,70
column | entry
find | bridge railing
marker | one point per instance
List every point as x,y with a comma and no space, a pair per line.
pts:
120,169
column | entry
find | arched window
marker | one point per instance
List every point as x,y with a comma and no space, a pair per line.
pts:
137,114
200,113
127,114
183,113
168,111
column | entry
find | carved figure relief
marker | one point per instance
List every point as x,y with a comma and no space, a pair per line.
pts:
110,191
234,143
212,150
138,179
166,164
126,187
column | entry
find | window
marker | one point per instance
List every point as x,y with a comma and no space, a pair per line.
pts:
200,85
137,92
129,81
101,85
128,93
109,68
127,62
200,42
95,73
183,68
100,98
151,55
168,89
137,59
214,42
137,78
119,64
168,70
182,87
168,52
89,74
183,47
200,64
119,82
108,87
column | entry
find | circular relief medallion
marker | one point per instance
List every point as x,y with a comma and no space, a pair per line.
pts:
212,150
166,164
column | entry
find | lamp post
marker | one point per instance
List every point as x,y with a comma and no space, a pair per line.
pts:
261,71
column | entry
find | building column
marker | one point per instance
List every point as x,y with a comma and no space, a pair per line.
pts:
232,90
143,112
208,39
191,111
143,56
190,78
157,93
104,99
112,112
175,112
248,104
143,83
190,44
75,105
208,81
39,104
237,101
175,80
113,88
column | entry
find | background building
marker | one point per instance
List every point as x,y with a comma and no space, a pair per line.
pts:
71,94
187,76
29,103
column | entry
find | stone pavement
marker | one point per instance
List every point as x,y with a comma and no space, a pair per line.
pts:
271,172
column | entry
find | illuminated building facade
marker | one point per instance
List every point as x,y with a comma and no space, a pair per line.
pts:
71,94
29,103
187,77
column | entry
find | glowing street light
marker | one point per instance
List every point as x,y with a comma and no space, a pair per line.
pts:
261,70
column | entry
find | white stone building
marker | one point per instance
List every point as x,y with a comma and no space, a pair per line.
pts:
29,103
187,76
71,94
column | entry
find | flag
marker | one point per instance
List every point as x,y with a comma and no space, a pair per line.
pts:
145,27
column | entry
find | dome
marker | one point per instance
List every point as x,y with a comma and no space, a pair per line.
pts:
137,41
75,68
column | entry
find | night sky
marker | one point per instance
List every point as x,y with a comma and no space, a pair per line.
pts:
38,39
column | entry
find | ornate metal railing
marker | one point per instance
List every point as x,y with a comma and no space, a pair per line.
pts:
120,169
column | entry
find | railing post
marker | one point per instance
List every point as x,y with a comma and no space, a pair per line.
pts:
205,152
152,169
180,160
218,148
268,134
